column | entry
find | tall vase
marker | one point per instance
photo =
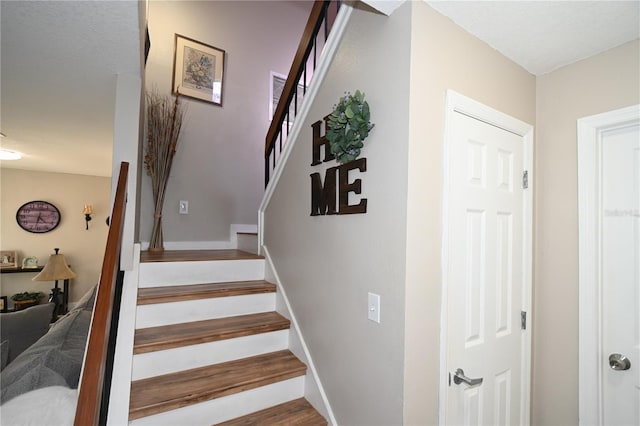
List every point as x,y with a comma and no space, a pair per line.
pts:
156,243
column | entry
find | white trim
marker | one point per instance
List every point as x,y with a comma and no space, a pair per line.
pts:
456,102
234,229
295,326
589,134
385,6
324,63
118,413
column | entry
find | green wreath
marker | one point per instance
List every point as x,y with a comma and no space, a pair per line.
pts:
348,127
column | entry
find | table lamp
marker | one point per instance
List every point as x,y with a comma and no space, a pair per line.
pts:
56,269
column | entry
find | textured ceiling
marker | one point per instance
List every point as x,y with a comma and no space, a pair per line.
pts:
59,61
59,65
542,36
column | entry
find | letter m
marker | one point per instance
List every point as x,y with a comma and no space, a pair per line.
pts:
323,197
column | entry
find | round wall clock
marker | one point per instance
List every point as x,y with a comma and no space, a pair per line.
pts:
38,217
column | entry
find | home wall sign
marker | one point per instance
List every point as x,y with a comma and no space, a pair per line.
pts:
332,196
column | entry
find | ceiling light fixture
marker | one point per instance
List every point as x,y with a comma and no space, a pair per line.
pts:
5,154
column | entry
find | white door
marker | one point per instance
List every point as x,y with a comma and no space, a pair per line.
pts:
610,234
487,275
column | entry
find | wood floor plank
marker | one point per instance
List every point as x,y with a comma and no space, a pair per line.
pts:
151,295
170,391
191,333
196,255
296,412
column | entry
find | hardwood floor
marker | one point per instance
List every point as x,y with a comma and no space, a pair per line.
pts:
195,255
175,390
180,364
192,333
151,295
296,412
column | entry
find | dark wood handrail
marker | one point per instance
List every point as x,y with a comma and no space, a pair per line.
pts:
93,375
297,68
319,16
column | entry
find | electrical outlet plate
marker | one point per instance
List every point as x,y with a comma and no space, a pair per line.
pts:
373,307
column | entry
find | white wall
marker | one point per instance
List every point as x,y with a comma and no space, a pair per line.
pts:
602,83
219,165
327,264
82,249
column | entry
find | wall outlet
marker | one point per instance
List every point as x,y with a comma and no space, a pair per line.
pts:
184,207
373,307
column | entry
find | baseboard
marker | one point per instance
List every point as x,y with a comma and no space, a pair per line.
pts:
297,343
234,229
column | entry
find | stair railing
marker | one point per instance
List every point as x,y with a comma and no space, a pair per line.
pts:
322,17
96,373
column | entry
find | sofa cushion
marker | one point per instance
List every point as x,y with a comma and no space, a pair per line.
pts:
4,352
87,300
55,359
23,328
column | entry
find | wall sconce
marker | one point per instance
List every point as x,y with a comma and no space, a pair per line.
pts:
88,211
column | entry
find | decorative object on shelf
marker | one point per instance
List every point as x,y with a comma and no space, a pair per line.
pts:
26,299
9,259
87,211
348,126
57,269
164,122
198,70
38,217
30,262
3,304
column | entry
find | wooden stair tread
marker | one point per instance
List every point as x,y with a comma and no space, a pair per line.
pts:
151,295
195,255
191,333
296,412
170,391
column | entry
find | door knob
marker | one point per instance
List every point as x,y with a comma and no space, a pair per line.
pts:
619,362
459,377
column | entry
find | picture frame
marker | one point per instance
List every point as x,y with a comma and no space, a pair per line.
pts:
4,305
8,259
276,84
198,70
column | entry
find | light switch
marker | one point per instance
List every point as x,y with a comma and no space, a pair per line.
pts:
184,207
373,307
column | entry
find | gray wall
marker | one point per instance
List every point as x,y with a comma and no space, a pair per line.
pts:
387,373
327,264
218,167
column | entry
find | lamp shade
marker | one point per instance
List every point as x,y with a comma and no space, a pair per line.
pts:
55,269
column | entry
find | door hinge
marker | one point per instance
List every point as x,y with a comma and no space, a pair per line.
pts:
525,179
523,320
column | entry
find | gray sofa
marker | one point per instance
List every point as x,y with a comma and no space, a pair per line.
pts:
21,329
55,359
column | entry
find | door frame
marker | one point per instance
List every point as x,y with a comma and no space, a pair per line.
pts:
457,103
590,370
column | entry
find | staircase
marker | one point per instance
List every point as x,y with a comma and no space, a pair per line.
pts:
209,347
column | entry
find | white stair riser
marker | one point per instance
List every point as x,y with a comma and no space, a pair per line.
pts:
203,309
248,243
229,407
183,358
159,274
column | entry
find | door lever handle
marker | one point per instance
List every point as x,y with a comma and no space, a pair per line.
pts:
459,377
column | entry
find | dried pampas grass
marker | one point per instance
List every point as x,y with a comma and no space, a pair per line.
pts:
164,122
